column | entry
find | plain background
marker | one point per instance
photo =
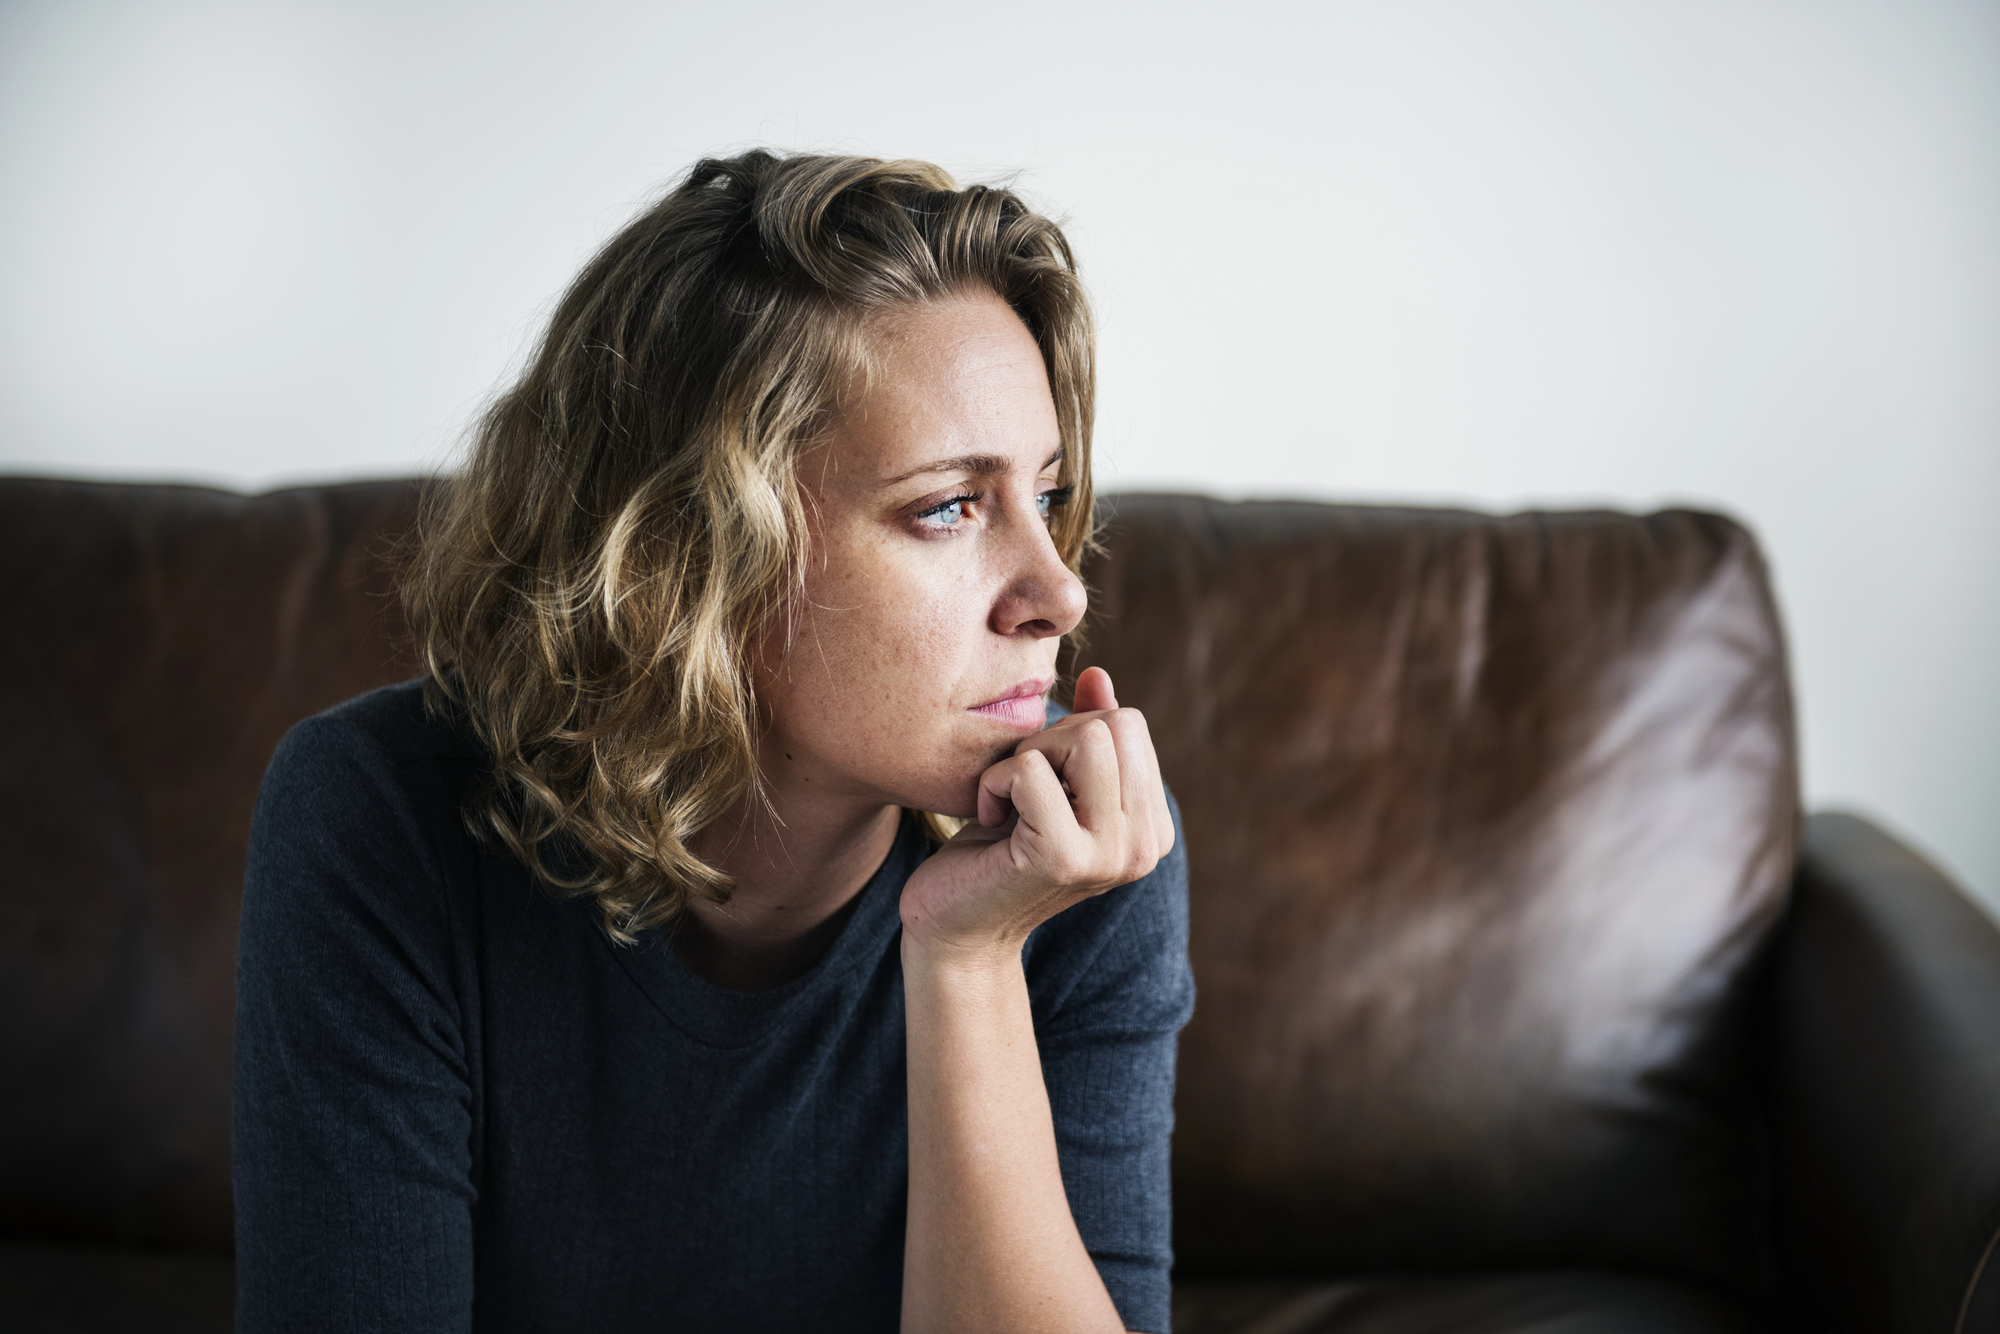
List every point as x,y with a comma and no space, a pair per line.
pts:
1743,254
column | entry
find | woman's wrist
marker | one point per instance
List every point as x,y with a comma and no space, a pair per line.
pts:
952,960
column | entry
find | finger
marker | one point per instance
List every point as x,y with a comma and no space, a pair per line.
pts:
1000,785
1091,772
974,832
996,786
1036,795
1147,832
1065,747
1056,742
1137,767
1142,790
1093,691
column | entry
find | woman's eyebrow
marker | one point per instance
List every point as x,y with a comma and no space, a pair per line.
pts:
980,465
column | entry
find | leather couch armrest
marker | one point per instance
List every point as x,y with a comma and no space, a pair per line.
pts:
1886,1096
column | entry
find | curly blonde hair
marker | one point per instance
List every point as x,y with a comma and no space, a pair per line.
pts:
588,589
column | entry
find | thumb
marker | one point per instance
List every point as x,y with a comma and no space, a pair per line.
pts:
1093,691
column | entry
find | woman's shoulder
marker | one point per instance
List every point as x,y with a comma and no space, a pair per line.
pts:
392,726
390,745
351,949
365,795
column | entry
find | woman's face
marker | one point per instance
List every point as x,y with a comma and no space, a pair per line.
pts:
935,599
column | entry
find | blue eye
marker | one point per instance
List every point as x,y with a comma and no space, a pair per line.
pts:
948,514
1050,501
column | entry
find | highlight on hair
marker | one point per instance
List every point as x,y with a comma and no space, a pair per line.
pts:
588,589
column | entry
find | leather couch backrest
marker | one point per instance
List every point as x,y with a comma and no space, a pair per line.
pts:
1486,818
157,642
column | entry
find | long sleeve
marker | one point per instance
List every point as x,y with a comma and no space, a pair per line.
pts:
353,1115
1111,989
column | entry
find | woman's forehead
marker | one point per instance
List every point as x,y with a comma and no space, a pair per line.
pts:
951,386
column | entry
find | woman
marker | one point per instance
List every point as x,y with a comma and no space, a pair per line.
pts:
609,978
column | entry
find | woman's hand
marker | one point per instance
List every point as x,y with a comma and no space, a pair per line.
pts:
1076,810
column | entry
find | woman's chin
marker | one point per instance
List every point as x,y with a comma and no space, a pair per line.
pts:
947,781
955,795
959,806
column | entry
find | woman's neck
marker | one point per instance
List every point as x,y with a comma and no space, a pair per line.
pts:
798,865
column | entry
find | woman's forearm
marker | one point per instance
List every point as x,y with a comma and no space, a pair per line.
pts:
990,1243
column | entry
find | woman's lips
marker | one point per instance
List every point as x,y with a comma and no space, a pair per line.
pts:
1022,708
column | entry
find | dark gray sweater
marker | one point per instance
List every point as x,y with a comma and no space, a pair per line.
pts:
460,1106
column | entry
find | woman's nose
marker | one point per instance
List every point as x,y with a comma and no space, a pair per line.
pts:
1042,596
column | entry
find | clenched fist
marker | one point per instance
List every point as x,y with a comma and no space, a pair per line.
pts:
1077,809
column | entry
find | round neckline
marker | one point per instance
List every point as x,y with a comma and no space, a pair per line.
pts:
716,1016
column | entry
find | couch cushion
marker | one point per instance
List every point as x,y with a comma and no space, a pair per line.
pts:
1575,1302
158,642
103,1290
1486,818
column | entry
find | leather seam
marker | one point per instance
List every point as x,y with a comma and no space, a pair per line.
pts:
1972,1285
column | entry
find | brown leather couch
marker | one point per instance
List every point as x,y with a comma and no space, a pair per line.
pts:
1519,1007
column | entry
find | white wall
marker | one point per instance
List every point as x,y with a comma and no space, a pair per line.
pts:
1740,253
